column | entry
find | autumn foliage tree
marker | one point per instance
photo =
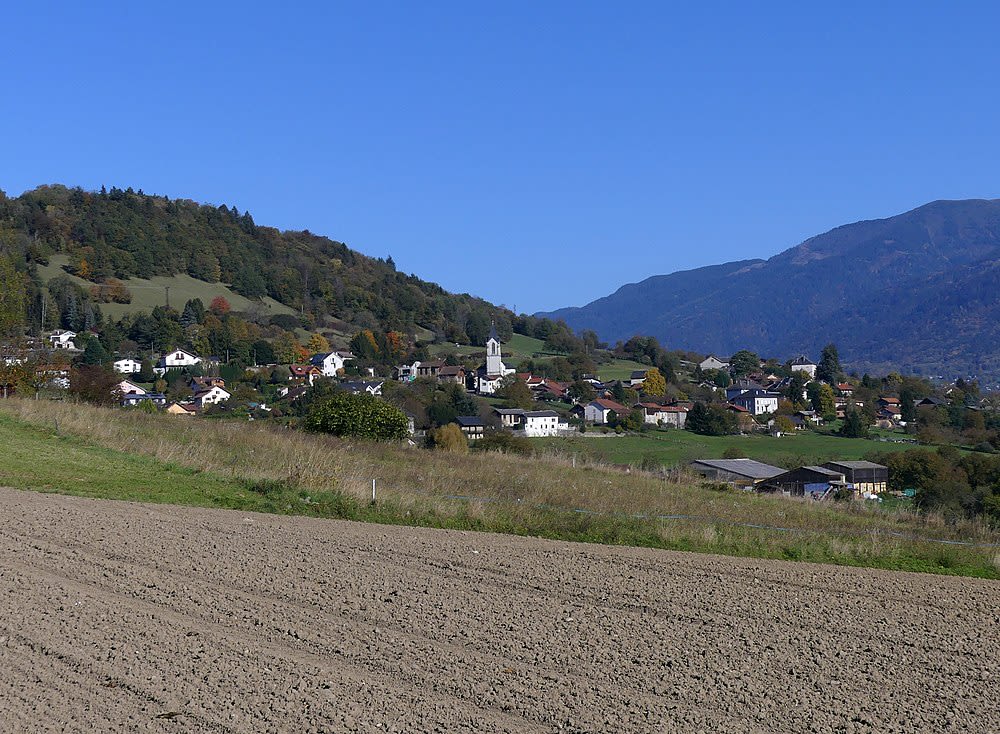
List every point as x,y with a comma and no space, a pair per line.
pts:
95,383
219,306
654,384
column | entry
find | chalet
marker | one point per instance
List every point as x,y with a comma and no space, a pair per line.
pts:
885,402
808,481
808,417
472,426
127,366
591,380
663,415
551,390
745,473
177,359
405,372
63,340
866,477
291,394
890,413
488,384
932,402
358,387
512,418
846,389
180,409
210,396
637,378
603,410
713,363
330,364
127,387
306,372
201,383
757,402
539,423
804,364
455,374
134,399
429,369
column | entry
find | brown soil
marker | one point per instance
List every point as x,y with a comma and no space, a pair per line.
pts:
127,617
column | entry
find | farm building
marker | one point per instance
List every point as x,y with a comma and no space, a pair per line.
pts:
815,481
866,476
741,472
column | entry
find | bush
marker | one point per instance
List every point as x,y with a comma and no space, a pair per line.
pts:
362,416
449,438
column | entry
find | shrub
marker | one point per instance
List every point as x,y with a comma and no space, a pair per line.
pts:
362,416
449,438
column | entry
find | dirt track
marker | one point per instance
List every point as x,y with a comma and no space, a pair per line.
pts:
125,617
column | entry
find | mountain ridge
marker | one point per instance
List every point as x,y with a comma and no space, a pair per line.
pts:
916,291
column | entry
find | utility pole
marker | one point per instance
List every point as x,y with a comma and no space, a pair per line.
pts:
167,289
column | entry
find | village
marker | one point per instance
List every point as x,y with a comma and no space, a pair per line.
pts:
498,399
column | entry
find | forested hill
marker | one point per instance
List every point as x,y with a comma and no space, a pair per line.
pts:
118,234
919,292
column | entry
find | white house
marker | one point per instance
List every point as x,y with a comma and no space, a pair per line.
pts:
488,384
131,400
637,378
406,372
63,340
372,387
804,364
713,363
126,387
176,359
331,363
211,396
663,415
128,366
539,423
601,410
757,401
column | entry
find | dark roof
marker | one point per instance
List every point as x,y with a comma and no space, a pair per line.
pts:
802,359
742,467
541,414
449,370
509,411
639,374
493,331
855,464
469,421
358,385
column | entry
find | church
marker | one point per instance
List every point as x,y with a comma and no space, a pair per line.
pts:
490,375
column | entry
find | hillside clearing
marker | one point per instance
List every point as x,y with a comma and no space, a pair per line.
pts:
147,293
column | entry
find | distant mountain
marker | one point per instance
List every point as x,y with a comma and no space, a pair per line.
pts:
918,292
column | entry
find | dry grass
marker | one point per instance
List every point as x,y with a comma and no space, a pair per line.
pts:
517,494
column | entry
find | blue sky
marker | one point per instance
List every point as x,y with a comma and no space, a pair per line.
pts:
537,154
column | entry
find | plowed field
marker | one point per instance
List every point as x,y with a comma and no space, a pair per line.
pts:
128,617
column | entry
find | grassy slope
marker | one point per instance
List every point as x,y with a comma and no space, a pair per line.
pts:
525,347
676,447
148,293
253,467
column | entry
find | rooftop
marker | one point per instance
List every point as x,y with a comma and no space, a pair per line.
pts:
743,467
856,464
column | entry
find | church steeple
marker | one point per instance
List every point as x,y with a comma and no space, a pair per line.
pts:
494,360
